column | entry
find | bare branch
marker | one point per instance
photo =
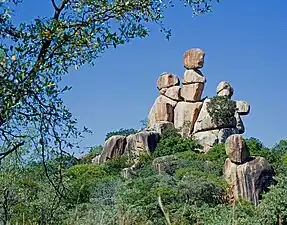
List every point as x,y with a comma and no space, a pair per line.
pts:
4,154
54,5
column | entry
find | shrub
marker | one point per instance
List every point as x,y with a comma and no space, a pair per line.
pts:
171,142
83,178
124,132
221,109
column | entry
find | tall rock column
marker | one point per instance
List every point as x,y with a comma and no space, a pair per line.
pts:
163,107
247,176
186,111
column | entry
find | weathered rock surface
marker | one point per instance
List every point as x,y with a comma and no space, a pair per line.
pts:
204,121
162,91
250,179
173,93
239,124
192,92
242,107
224,133
129,172
164,164
236,149
113,148
224,89
185,114
167,80
193,58
142,142
207,139
193,76
96,160
162,110
178,105
161,127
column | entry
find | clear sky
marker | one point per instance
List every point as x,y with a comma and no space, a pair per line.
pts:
245,43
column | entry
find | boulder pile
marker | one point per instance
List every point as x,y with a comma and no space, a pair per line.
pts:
247,176
185,108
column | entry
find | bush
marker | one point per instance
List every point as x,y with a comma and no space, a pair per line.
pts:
124,132
171,142
221,109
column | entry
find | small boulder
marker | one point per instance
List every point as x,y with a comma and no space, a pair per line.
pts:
173,93
193,58
242,107
192,92
224,89
162,110
193,76
236,149
167,80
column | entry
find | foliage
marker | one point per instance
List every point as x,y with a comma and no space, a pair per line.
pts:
193,192
83,178
171,142
94,151
221,109
124,132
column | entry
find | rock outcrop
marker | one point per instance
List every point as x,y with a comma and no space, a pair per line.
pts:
167,80
142,142
247,176
113,147
134,144
185,108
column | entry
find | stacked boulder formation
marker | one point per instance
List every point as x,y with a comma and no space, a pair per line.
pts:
248,176
180,107
185,108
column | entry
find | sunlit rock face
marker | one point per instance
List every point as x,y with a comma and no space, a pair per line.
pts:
247,176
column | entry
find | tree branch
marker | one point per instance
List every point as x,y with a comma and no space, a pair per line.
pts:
54,5
4,154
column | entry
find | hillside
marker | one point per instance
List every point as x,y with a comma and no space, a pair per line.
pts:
189,165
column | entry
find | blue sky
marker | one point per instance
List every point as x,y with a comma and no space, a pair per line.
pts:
245,43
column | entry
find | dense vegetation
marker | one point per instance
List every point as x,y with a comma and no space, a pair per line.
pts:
190,190
221,109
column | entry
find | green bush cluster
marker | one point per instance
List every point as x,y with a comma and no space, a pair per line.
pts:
191,189
221,109
172,142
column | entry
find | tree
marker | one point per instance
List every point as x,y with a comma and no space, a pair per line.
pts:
35,56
